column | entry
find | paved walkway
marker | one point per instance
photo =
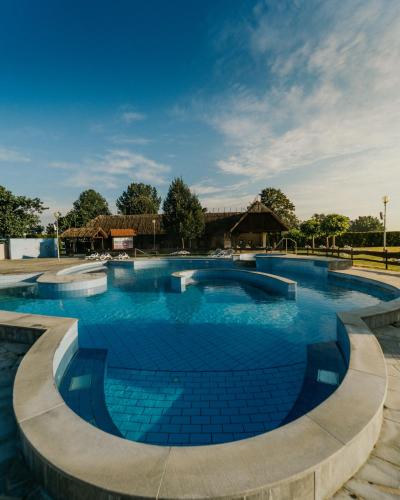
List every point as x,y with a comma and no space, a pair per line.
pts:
379,478
16,481
35,265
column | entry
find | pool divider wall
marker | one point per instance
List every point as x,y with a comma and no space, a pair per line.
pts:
309,458
269,282
316,266
146,263
76,280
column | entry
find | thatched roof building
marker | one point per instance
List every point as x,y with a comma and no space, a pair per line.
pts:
222,229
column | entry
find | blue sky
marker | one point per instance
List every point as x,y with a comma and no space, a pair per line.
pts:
234,95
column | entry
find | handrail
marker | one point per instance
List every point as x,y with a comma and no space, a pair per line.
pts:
286,241
141,251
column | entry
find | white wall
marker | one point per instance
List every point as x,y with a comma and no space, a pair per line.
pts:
27,248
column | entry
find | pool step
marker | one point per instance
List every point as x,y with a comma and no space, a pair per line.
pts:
82,388
325,369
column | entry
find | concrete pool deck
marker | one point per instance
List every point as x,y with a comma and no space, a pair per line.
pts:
305,459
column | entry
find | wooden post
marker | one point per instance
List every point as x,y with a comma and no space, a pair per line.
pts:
386,258
352,256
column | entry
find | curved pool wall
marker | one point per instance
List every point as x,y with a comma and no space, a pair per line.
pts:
310,458
76,281
271,283
315,266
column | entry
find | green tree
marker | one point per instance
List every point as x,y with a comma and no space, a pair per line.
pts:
183,214
311,229
319,217
139,198
19,215
89,205
334,225
279,203
366,223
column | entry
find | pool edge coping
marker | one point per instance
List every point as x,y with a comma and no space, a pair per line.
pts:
321,474
270,282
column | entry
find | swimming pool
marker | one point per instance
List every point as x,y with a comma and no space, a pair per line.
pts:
221,362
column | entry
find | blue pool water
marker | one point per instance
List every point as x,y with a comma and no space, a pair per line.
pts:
220,362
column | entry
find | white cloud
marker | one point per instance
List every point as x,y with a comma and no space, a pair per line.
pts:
12,155
63,165
331,98
132,116
114,167
204,188
123,139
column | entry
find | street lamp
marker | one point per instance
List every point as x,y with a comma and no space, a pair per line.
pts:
154,234
385,200
57,215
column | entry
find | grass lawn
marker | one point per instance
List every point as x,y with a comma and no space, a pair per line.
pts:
377,263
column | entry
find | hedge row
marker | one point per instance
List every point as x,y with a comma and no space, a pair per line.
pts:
373,239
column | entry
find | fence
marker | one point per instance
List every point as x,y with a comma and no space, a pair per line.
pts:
385,258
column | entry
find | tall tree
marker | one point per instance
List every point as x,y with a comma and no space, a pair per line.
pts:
139,198
311,229
183,214
89,205
279,203
366,223
19,215
334,225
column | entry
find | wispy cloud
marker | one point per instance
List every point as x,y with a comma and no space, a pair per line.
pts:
132,116
123,139
12,156
231,197
63,165
114,167
329,97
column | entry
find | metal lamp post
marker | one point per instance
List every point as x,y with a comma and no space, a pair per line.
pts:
154,234
57,215
385,200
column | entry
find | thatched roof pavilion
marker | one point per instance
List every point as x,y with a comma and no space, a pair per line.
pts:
221,228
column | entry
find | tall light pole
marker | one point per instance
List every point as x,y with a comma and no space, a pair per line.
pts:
385,200
57,215
154,234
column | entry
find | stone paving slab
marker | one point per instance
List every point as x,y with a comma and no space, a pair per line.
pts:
379,478
35,265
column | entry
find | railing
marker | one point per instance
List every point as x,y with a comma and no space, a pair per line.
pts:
384,258
286,244
143,253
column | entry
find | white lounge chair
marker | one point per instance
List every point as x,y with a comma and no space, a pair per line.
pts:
93,256
122,256
105,256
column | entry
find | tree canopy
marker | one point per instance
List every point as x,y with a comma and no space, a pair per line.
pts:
19,215
334,225
311,229
139,198
183,214
279,203
89,205
366,223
